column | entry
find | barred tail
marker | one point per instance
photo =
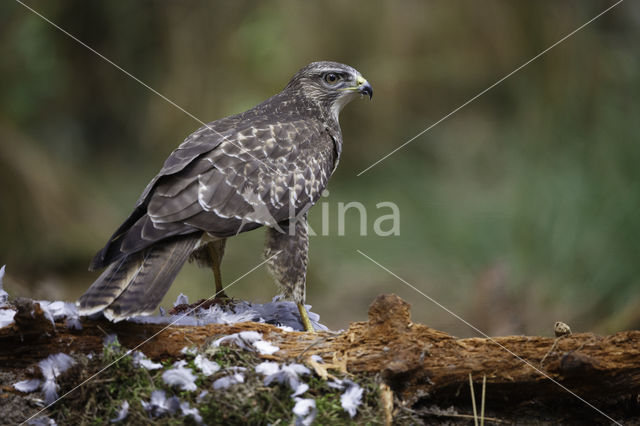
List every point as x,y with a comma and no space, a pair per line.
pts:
136,284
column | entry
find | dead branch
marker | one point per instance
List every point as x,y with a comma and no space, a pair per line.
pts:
422,366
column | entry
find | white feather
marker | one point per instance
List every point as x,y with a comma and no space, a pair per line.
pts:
225,382
265,348
285,374
305,411
6,317
206,366
187,411
267,368
51,367
122,413
160,404
27,386
181,300
351,399
4,296
180,376
141,360
242,339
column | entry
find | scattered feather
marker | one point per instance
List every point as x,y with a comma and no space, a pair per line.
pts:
302,388
46,312
283,314
27,386
267,368
73,323
336,384
54,311
180,376
317,358
51,367
169,319
57,309
305,411
201,396
141,360
282,374
181,300
187,411
160,405
265,348
4,296
225,382
249,340
289,374
189,350
241,313
122,413
351,398
6,317
42,421
206,366
243,339
50,391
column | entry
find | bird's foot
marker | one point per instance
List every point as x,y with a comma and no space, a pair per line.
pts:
221,295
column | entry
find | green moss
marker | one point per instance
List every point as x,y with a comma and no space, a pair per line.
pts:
330,410
100,398
249,402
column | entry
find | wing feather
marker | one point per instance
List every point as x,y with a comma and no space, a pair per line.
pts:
259,175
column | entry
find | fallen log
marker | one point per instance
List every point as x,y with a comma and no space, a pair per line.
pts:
427,370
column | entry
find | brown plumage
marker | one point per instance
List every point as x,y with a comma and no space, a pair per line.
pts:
264,167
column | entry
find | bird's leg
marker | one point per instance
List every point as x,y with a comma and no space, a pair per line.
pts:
304,316
287,249
216,251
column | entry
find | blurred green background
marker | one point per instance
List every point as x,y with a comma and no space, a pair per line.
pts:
521,209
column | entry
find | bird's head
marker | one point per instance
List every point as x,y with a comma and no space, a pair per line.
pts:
330,85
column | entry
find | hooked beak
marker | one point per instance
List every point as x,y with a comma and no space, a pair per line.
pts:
364,88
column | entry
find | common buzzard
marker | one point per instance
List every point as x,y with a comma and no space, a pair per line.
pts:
263,167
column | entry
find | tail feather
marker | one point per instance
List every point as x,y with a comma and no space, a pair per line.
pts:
136,284
110,284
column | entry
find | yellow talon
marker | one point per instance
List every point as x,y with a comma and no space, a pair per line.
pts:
304,316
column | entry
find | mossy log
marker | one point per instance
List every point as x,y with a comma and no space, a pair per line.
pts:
424,368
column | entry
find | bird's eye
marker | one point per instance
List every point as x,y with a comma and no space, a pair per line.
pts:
331,78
